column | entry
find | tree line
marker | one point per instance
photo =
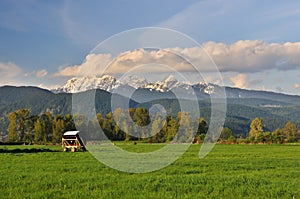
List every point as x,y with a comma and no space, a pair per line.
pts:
47,128
41,129
289,133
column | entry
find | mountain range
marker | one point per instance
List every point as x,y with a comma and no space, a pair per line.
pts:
110,83
242,105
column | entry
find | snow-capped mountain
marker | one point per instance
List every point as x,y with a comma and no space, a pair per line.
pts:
80,84
110,83
134,81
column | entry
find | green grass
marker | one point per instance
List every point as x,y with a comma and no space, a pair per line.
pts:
229,171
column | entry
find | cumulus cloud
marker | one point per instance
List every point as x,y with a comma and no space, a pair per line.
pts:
242,57
94,64
41,73
147,61
67,71
254,56
11,74
239,80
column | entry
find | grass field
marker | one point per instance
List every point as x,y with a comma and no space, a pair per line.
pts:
229,171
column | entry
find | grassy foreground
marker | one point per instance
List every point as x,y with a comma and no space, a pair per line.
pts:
229,171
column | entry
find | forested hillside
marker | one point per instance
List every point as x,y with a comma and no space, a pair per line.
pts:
275,112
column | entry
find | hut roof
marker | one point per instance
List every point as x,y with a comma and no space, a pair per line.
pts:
71,133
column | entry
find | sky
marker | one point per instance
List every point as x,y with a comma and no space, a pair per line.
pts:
255,44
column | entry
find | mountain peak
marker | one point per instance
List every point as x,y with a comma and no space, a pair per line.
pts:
110,83
134,81
107,77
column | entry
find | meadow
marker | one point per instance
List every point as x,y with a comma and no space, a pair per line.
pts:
229,171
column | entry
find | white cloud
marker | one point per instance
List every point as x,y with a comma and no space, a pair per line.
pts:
8,72
41,73
254,56
11,74
147,61
240,80
9,69
67,71
93,65
242,57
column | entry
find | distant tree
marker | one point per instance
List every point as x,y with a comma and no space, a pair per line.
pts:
46,120
117,132
290,131
278,136
18,124
298,136
58,128
94,129
268,137
69,123
157,125
81,122
107,128
12,128
29,126
256,129
39,134
22,116
202,127
170,129
226,133
141,118
126,129
186,126
232,139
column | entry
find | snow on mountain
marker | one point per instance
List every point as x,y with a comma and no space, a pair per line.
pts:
79,84
110,83
204,87
168,84
134,81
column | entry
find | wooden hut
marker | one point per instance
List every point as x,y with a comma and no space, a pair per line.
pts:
72,141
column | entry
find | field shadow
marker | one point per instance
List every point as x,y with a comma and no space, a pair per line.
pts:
33,150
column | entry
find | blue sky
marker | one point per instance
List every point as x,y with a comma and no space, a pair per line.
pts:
39,39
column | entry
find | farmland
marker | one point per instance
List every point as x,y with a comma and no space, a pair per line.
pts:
229,171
